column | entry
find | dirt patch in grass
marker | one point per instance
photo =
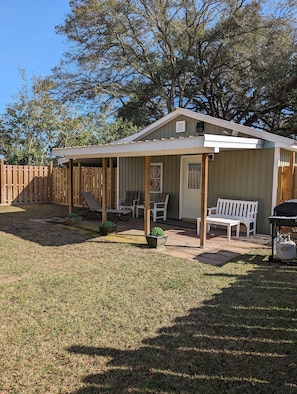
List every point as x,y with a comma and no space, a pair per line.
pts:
81,316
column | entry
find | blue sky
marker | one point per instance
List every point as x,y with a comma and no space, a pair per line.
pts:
28,41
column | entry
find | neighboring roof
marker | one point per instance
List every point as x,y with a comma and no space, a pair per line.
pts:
208,143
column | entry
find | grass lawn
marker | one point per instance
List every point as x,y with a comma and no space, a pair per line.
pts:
81,316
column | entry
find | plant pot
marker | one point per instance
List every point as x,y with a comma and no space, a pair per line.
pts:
107,230
156,242
73,221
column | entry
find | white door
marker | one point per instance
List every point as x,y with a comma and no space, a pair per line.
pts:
191,187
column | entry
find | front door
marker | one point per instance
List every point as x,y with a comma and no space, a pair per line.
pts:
191,187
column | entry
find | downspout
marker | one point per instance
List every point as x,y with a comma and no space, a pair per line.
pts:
274,193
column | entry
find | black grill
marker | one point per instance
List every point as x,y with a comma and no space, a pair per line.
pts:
284,214
286,208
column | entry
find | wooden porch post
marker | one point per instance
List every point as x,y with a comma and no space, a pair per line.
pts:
204,199
111,184
147,221
70,190
104,189
292,170
79,183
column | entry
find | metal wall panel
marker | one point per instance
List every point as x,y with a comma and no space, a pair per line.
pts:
245,175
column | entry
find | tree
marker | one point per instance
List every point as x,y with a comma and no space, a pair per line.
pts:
230,59
29,124
36,122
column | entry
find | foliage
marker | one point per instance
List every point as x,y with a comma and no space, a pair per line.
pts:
157,232
230,59
72,215
36,122
107,223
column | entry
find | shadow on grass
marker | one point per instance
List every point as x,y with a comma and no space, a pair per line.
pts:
243,340
38,223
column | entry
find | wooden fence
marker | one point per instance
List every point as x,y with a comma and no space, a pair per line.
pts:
42,184
287,183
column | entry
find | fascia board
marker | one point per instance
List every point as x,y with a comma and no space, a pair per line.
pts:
174,146
226,142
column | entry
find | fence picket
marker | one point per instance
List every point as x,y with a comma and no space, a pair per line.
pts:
41,184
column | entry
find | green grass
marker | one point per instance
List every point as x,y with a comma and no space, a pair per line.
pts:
81,316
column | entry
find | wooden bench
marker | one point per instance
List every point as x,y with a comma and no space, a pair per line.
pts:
244,211
229,223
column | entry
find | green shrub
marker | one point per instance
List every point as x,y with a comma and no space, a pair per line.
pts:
107,223
157,232
72,215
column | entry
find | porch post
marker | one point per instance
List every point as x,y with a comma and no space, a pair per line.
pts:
79,183
70,190
204,199
104,189
147,221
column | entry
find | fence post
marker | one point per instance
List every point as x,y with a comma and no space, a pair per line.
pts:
1,180
50,181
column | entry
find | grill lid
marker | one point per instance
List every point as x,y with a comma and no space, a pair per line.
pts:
286,208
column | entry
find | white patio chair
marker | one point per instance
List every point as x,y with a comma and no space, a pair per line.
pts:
159,207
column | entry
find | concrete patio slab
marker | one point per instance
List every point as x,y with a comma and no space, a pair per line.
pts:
183,241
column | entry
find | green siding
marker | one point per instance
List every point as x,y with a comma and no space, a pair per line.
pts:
243,174
132,173
246,175
169,130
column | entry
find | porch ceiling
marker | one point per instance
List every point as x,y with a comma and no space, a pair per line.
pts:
175,146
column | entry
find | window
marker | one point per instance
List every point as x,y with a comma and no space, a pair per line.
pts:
194,176
156,173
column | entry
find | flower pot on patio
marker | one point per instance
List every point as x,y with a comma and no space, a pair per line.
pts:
72,219
156,238
107,227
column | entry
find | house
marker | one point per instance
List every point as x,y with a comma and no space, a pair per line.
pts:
198,158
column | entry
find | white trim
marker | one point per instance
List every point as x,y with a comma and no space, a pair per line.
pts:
228,142
181,182
208,143
181,197
275,178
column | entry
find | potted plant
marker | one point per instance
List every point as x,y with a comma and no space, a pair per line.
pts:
107,227
73,218
156,238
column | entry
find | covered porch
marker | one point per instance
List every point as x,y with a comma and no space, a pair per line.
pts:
202,145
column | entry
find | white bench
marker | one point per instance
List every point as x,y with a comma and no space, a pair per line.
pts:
244,211
229,223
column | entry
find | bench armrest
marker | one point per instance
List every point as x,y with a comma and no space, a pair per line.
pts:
211,211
